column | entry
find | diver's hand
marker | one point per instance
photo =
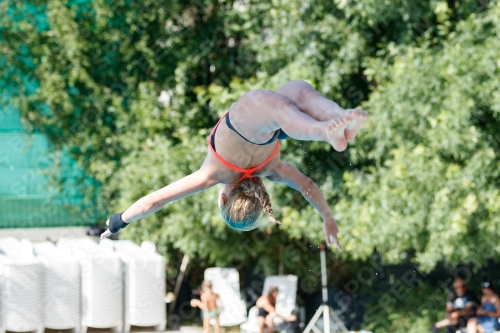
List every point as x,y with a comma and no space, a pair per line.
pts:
114,223
331,230
107,233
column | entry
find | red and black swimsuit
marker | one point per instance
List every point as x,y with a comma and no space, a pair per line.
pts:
247,173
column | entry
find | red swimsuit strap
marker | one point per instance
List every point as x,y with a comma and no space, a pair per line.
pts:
247,173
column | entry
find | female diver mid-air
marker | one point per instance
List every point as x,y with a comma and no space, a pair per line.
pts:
244,147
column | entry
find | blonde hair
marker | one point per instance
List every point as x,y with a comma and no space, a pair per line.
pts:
244,204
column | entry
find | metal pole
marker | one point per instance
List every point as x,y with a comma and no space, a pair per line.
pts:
313,321
324,309
326,318
326,312
178,283
339,322
323,275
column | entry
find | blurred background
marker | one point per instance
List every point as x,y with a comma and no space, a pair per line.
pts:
105,101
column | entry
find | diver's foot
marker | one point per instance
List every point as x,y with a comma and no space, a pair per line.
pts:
358,117
335,132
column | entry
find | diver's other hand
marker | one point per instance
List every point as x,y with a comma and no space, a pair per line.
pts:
331,230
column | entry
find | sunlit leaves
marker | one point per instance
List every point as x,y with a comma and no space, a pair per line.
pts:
421,178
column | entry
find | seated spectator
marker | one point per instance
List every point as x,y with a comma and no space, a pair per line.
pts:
459,308
267,311
488,313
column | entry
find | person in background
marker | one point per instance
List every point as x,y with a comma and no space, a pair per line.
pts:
459,308
208,305
267,310
487,315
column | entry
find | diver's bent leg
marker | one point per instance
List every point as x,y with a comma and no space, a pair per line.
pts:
301,126
309,101
312,103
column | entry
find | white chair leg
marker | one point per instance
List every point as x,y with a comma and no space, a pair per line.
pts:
83,329
40,329
161,327
119,329
126,328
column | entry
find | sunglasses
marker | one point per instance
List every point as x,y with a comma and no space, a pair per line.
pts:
485,284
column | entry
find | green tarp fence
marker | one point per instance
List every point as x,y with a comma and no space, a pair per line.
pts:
25,196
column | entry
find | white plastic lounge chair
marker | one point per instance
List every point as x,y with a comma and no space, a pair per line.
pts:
285,302
250,325
287,295
226,283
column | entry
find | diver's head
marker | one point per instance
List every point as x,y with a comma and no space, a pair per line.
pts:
241,203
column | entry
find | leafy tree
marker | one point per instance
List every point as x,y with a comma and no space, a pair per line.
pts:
431,190
418,310
420,182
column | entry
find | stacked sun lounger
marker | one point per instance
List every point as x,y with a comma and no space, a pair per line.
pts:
21,275
102,283
144,284
61,287
78,283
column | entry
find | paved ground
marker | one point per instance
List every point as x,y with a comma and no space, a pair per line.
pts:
136,329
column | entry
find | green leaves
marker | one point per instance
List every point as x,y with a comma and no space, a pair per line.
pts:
433,151
420,182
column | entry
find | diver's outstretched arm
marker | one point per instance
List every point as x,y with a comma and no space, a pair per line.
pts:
195,182
288,174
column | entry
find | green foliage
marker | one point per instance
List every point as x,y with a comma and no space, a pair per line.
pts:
432,184
416,312
420,182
